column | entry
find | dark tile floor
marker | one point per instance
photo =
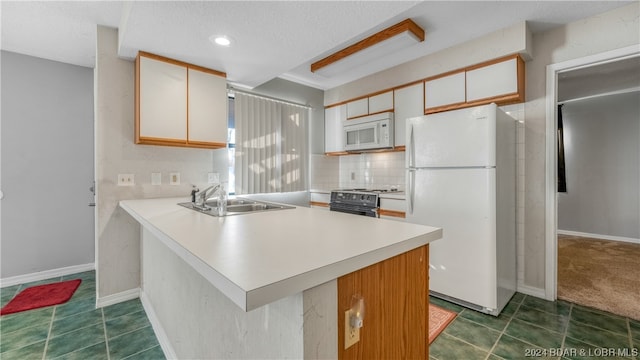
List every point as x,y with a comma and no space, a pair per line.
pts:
530,327
527,328
76,329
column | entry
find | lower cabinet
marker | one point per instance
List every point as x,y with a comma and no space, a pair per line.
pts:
319,200
392,209
395,322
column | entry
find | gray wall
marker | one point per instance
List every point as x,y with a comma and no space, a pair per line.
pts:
602,156
47,165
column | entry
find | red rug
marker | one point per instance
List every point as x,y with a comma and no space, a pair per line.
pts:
41,296
439,318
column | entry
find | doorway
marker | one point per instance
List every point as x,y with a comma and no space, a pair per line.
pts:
554,73
47,168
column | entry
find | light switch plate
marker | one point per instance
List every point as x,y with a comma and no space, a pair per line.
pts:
174,178
351,334
156,179
126,180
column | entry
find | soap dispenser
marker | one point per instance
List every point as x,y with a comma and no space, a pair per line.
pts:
222,201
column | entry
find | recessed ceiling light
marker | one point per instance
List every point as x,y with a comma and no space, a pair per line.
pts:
220,40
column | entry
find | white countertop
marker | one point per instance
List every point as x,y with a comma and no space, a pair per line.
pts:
261,257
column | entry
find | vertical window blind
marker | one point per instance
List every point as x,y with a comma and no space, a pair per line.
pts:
271,152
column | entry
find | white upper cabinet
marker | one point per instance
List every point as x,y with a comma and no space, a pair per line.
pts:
358,108
163,100
492,81
444,91
334,118
207,108
408,102
381,102
500,81
178,104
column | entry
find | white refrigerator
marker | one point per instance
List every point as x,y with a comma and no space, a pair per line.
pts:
461,177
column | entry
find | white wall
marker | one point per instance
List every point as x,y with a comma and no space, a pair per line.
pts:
608,31
47,165
117,234
602,157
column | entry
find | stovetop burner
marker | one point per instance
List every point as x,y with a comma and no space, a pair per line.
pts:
370,190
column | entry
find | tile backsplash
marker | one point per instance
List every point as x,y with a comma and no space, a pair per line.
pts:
324,172
372,170
367,170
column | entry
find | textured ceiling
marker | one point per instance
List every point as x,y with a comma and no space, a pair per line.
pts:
270,38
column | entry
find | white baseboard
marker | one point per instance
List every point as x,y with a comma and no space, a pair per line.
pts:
47,274
599,236
532,291
161,335
117,298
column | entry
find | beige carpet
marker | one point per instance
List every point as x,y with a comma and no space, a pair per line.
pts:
601,274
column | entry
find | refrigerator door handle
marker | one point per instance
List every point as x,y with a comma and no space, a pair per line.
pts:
412,149
412,179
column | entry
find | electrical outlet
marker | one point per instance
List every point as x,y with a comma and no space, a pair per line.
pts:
156,179
213,178
351,334
126,180
174,178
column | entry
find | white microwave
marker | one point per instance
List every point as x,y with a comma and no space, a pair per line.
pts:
369,132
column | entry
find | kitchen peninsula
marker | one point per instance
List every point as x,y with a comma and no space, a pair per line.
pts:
273,284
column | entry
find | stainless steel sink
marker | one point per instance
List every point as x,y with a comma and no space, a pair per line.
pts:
236,206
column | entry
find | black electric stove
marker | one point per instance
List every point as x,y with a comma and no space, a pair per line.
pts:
355,201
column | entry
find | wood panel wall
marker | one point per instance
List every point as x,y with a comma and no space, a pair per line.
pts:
395,293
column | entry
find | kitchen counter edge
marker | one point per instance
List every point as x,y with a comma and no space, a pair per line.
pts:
249,299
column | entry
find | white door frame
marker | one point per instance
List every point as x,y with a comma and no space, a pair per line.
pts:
551,203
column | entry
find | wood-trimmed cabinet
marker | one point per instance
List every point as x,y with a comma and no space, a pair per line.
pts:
357,108
381,102
500,81
444,92
396,300
373,104
334,117
408,103
392,209
179,104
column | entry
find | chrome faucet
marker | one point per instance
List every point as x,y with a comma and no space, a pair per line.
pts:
202,196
